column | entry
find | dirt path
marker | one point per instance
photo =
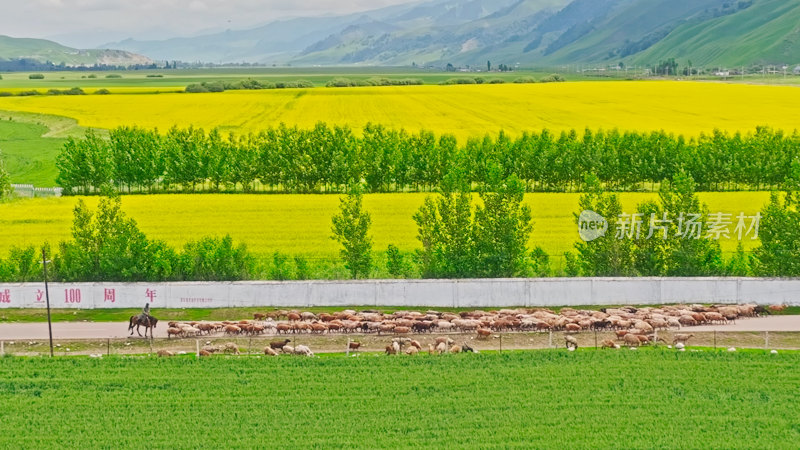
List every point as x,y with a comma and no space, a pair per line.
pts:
104,330
71,330
771,323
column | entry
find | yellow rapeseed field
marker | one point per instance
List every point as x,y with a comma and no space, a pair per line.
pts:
300,224
464,110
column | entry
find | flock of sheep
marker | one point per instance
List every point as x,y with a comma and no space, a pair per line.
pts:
637,321
633,326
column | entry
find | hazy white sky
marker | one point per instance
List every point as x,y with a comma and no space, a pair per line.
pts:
93,22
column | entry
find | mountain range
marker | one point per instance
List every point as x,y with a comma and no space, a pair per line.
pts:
41,50
530,33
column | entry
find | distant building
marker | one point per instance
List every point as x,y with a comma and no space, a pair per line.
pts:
796,70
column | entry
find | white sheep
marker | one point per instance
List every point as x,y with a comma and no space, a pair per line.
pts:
303,350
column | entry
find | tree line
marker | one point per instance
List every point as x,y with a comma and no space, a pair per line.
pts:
458,238
330,158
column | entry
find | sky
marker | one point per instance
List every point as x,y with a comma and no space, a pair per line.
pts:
89,23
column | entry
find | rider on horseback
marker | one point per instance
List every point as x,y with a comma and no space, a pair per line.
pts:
145,313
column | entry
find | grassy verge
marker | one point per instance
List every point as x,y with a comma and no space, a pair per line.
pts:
545,399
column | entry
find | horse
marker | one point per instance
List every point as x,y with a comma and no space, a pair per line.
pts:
148,321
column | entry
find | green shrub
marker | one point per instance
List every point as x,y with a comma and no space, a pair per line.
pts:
113,75
462,80
102,91
36,76
92,76
521,80
154,75
196,88
554,78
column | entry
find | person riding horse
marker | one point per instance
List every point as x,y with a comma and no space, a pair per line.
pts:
144,318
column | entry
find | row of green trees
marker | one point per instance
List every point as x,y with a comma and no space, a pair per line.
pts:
328,159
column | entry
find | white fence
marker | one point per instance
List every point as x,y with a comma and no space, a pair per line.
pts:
29,191
484,293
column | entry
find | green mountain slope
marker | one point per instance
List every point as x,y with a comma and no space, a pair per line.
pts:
766,32
43,50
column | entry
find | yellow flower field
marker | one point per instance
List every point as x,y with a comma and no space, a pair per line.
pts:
300,224
464,110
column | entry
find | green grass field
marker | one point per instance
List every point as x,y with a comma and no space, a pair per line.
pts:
533,399
301,224
28,156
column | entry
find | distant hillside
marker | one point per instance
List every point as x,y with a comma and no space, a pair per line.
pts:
767,32
43,50
529,32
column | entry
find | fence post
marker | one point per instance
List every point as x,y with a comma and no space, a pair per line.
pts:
347,352
766,340
108,347
197,344
501,343
551,338
595,338
715,339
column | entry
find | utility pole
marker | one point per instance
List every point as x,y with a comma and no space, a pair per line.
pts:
47,296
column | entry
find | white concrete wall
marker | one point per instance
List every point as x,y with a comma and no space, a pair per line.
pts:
412,293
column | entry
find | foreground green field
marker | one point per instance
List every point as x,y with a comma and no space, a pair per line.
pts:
539,399
688,108
301,224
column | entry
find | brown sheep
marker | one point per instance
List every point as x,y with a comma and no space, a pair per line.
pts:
232,329
319,328
259,316
456,349
354,346
278,345
173,332
571,342
231,347
682,338
402,330
631,340
483,333
204,353
163,352
416,344
608,343
293,317
572,327
445,340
